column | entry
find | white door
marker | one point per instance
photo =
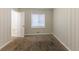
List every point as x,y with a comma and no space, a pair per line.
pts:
17,26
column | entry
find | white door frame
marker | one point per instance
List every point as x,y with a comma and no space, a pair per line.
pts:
17,24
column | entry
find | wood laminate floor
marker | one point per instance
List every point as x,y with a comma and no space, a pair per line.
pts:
35,43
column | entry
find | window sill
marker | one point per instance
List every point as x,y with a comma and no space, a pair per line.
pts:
38,27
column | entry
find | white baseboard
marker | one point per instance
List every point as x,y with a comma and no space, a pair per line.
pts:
38,34
62,42
6,44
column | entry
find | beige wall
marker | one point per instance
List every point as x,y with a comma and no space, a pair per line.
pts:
65,26
48,17
5,30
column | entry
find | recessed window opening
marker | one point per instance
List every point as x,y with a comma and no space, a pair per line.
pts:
38,21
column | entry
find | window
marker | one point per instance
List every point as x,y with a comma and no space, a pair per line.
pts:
38,21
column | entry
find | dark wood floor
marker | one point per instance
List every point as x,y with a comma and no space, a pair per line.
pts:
35,43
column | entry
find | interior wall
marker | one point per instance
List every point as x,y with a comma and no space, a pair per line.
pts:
5,25
48,18
65,26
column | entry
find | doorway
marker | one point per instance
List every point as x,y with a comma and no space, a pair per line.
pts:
17,23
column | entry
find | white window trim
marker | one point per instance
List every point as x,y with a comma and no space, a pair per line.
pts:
37,26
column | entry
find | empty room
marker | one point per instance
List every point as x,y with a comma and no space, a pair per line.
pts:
39,29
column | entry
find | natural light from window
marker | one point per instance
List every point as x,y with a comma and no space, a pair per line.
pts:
38,21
